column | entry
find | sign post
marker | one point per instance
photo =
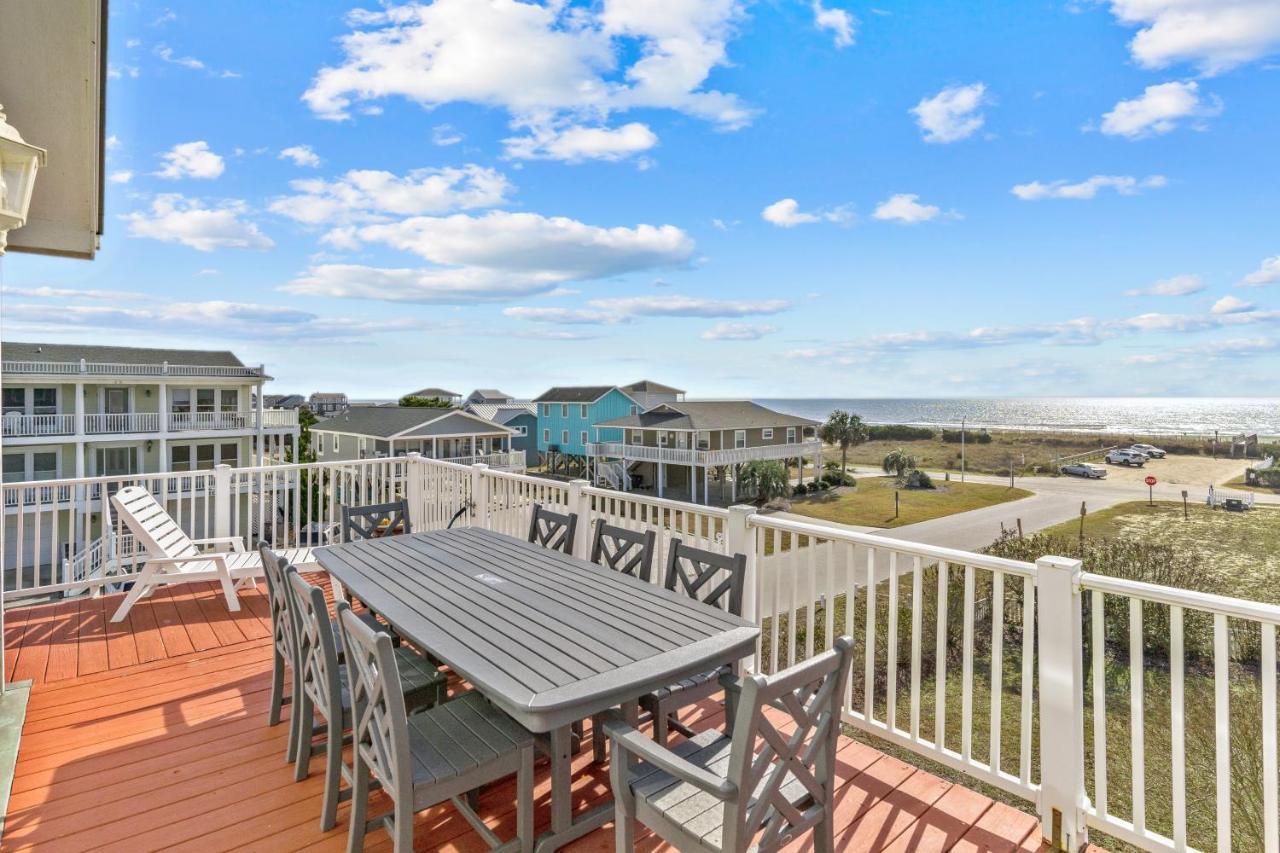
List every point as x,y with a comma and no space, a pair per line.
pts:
1151,487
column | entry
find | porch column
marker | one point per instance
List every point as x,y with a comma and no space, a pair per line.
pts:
733,486
79,428
434,452
693,484
661,477
706,490
262,447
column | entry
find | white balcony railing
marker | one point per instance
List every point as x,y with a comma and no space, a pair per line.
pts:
994,668
121,423
19,426
91,368
693,456
512,460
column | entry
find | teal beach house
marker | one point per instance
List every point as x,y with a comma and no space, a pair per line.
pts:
567,418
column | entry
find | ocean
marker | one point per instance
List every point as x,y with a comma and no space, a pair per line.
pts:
1141,415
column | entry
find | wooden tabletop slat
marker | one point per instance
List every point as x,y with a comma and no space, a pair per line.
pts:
548,637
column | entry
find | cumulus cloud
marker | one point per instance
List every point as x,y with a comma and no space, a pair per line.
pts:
1178,285
301,155
173,218
575,144
952,114
1088,188
842,25
430,286
786,213
191,160
122,176
1268,272
1231,305
1160,108
371,194
727,331
544,64
1215,35
907,209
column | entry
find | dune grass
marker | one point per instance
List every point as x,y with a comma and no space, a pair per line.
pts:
871,503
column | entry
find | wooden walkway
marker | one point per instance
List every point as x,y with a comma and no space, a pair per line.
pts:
152,734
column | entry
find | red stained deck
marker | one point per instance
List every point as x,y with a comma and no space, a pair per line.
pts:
152,734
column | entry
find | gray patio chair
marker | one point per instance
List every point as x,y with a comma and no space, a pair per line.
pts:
368,522
322,687
423,759
553,530
283,643
716,792
713,579
623,550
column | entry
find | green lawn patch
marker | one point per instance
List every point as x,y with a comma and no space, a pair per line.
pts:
871,503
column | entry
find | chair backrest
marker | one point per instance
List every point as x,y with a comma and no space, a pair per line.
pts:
366,522
552,530
317,654
623,550
380,729
792,774
708,577
283,625
151,525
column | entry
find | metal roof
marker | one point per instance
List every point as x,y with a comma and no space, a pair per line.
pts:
573,394
647,386
73,353
501,413
708,415
491,395
429,393
386,421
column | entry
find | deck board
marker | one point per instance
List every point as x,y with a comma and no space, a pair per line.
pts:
150,733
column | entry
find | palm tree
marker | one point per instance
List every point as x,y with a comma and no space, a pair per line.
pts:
765,480
844,430
898,462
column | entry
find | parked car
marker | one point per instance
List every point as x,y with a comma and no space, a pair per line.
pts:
1148,450
1125,457
1084,469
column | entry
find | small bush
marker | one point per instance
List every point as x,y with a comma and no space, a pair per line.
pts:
800,491
838,479
899,432
952,436
919,480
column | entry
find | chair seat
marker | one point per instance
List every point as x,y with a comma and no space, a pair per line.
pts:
423,685
699,815
460,736
687,685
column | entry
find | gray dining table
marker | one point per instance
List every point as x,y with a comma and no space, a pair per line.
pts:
549,638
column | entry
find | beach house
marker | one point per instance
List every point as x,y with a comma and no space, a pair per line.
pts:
367,432
519,417
567,418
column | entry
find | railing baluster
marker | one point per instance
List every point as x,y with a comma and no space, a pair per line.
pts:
891,647
1137,717
1270,804
917,623
869,674
811,600
1222,729
997,664
1177,727
1098,642
1028,670
966,672
940,655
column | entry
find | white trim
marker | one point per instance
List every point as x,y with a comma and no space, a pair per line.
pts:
546,436
791,435
766,433
739,439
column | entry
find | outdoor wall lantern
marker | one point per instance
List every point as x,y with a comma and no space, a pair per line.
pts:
19,163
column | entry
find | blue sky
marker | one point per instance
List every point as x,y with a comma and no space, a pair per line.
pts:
766,199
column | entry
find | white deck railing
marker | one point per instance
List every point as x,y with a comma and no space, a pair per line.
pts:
93,368
694,456
17,425
996,668
123,423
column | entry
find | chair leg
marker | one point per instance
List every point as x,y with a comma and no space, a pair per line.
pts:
295,725
229,591
277,687
824,834
140,588
403,834
359,805
332,775
598,741
660,721
306,723
524,801
624,835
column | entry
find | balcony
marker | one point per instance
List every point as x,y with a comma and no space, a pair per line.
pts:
18,425
690,456
160,371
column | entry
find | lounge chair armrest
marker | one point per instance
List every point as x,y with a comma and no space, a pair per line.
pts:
630,739
214,557
236,543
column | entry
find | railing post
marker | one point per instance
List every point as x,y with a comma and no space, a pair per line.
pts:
414,493
740,538
221,500
580,504
1063,799
480,494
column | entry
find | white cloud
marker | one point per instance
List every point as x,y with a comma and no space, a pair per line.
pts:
191,160
301,155
432,286
1088,188
117,72
1178,285
688,306
176,219
369,194
952,114
842,25
1160,109
907,209
1268,272
446,134
727,331
575,144
113,142
122,176
539,62
72,293
564,316
166,54
1231,305
1215,35
786,213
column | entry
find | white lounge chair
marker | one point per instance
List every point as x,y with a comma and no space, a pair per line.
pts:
175,558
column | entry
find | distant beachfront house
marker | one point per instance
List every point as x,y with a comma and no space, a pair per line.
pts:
520,418
685,447
453,398
482,396
324,403
284,401
567,419
365,432
648,394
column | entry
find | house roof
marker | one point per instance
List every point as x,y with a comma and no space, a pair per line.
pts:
388,421
283,401
708,415
429,393
457,422
328,395
501,413
573,394
491,395
20,351
646,386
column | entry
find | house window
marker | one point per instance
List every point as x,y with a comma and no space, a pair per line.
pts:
44,465
15,400
582,410
767,433
585,439
635,410
546,436
205,457
637,437
791,435
364,447
15,467
564,436
521,431
739,438
204,399
38,465
546,410
229,454
180,401
317,441
704,441
116,461
335,443
564,410
44,401
662,439
230,400
180,457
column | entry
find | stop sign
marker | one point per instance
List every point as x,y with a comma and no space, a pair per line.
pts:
1151,480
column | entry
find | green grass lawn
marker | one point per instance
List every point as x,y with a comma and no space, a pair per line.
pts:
871,503
1239,483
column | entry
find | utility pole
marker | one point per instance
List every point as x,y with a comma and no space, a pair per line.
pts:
962,420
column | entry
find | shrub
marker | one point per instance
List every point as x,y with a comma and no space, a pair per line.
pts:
918,479
799,491
764,480
836,478
899,432
952,436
